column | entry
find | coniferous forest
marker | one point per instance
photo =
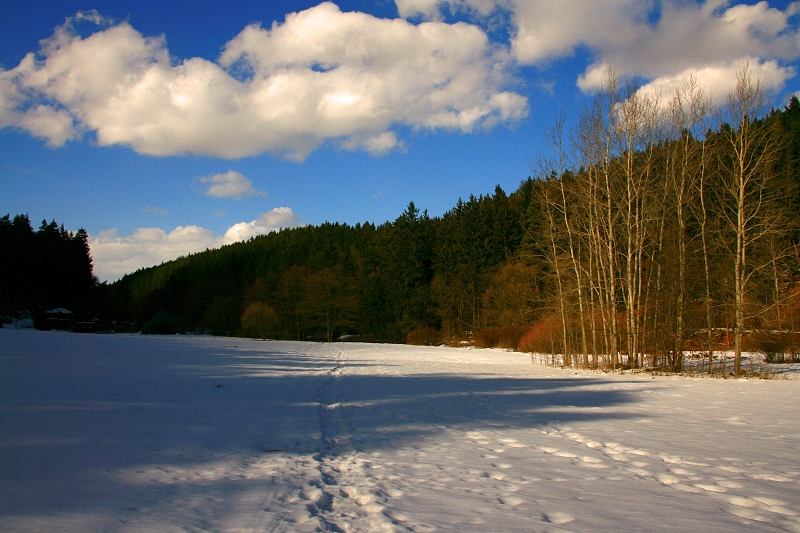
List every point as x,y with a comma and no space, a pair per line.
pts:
43,269
654,228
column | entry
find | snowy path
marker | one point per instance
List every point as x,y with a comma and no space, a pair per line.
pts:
132,433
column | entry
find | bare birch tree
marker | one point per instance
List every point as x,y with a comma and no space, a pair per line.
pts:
751,148
688,115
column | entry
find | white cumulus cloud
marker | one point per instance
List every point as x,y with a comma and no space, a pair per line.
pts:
690,37
719,80
653,39
321,76
231,184
115,255
280,217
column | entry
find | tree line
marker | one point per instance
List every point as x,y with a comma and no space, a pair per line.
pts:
658,226
672,225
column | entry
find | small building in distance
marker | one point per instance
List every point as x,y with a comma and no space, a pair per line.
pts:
59,318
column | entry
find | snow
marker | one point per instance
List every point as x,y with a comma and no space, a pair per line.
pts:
753,364
19,323
130,433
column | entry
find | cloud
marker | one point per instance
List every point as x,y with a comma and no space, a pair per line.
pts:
692,37
230,185
432,9
323,76
719,80
652,39
280,217
115,256
547,87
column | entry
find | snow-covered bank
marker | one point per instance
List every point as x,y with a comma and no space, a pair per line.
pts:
754,364
134,433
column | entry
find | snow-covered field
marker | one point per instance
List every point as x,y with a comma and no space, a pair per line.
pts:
132,433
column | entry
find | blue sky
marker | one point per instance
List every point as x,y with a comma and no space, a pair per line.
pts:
163,128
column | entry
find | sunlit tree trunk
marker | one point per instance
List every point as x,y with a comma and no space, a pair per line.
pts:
702,192
752,149
688,113
555,136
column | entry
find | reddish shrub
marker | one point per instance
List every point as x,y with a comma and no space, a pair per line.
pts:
508,337
425,337
542,337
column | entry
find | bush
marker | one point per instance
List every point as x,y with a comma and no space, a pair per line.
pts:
778,347
260,320
543,337
508,337
425,337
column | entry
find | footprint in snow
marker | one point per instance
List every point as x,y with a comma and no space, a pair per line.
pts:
771,477
568,455
710,488
558,517
393,493
685,488
348,492
359,499
744,512
667,479
395,515
511,501
730,484
300,518
311,493
370,508
768,501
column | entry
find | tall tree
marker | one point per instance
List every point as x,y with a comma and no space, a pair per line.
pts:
747,172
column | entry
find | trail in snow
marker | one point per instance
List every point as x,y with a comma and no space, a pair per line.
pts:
132,433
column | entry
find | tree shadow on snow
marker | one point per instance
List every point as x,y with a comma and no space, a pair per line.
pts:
165,421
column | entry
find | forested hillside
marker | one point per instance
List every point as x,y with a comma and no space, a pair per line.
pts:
657,227
325,281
